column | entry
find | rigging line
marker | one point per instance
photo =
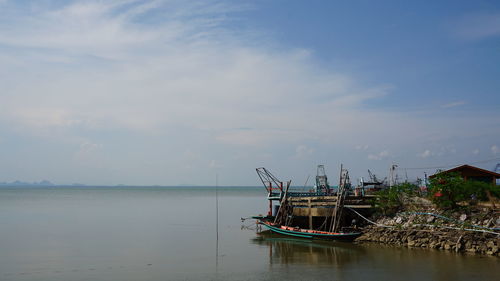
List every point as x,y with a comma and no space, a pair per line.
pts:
372,222
448,166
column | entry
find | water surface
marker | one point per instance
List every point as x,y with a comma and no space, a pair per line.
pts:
166,233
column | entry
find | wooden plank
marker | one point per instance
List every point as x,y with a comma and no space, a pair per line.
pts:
332,204
323,212
313,198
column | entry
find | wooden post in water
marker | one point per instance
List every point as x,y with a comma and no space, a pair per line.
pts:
310,213
270,212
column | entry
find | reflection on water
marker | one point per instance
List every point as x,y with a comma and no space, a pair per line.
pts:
285,250
315,259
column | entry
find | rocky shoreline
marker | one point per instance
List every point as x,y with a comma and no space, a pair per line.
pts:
472,232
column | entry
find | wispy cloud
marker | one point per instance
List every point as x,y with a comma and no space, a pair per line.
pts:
302,151
426,154
453,104
362,147
145,81
479,25
110,68
381,155
495,149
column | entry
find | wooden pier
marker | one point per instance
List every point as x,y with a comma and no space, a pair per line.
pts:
315,208
320,208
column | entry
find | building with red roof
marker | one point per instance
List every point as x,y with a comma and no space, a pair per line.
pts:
468,172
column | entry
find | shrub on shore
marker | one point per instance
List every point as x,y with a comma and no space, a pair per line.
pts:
448,189
392,200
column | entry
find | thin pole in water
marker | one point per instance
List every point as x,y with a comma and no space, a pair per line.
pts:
217,207
216,222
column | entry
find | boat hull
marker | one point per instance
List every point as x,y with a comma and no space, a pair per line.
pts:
310,234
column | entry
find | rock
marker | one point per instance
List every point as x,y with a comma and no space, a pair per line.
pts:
472,250
448,239
494,249
490,244
468,244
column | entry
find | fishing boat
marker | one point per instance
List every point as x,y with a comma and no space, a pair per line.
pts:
309,233
283,219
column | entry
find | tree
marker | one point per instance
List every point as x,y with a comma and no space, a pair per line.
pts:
447,189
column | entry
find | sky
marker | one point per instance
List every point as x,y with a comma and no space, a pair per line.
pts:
170,92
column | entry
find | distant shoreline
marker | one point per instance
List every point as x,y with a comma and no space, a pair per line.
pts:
104,186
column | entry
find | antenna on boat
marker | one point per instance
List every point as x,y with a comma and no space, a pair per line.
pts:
322,180
305,184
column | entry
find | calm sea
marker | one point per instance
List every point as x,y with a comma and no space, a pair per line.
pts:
166,233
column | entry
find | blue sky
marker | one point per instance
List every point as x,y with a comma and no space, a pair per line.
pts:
172,92
426,46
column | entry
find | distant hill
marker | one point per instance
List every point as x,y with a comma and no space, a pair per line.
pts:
21,183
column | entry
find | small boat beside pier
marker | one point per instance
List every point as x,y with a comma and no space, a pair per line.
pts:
309,233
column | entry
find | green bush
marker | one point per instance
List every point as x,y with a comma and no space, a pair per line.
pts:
391,200
447,189
480,189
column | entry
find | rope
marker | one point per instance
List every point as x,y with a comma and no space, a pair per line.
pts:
372,222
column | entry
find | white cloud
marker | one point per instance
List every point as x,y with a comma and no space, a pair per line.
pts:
302,151
88,151
475,151
362,147
88,147
214,164
381,155
110,71
495,149
427,153
126,72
